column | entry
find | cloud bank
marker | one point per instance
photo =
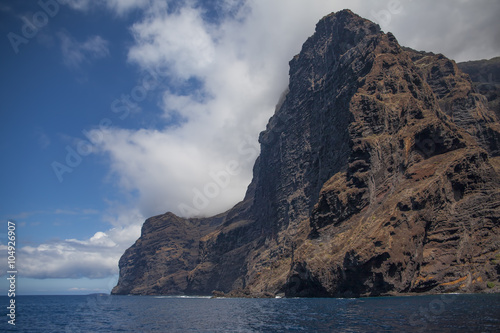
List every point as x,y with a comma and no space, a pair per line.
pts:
95,258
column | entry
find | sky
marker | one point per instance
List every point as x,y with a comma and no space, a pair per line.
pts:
113,111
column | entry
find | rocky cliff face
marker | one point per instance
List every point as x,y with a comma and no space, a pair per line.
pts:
485,76
161,259
378,175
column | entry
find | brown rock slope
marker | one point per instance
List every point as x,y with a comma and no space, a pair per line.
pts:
378,174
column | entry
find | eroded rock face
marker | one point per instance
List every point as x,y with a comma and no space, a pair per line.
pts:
161,259
378,175
485,75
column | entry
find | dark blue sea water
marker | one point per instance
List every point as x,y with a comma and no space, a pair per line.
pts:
449,313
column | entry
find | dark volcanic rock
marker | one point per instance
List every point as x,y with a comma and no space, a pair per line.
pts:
485,75
378,175
161,259
458,99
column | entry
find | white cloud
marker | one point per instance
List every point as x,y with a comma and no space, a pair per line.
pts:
462,30
120,7
83,289
100,239
78,4
181,40
96,257
75,53
123,6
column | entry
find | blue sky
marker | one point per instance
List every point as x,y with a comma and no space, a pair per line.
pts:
115,111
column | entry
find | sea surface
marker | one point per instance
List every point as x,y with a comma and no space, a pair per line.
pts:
447,313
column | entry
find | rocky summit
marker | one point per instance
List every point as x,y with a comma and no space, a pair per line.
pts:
379,174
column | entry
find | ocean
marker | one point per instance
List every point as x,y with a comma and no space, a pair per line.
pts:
446,313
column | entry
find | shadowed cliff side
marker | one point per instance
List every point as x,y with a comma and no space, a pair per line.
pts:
161,259
485,75
377,175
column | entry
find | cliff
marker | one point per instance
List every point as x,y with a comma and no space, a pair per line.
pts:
485,76
378,174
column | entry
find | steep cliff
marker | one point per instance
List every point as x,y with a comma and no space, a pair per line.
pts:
378,174
485,75
161,259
